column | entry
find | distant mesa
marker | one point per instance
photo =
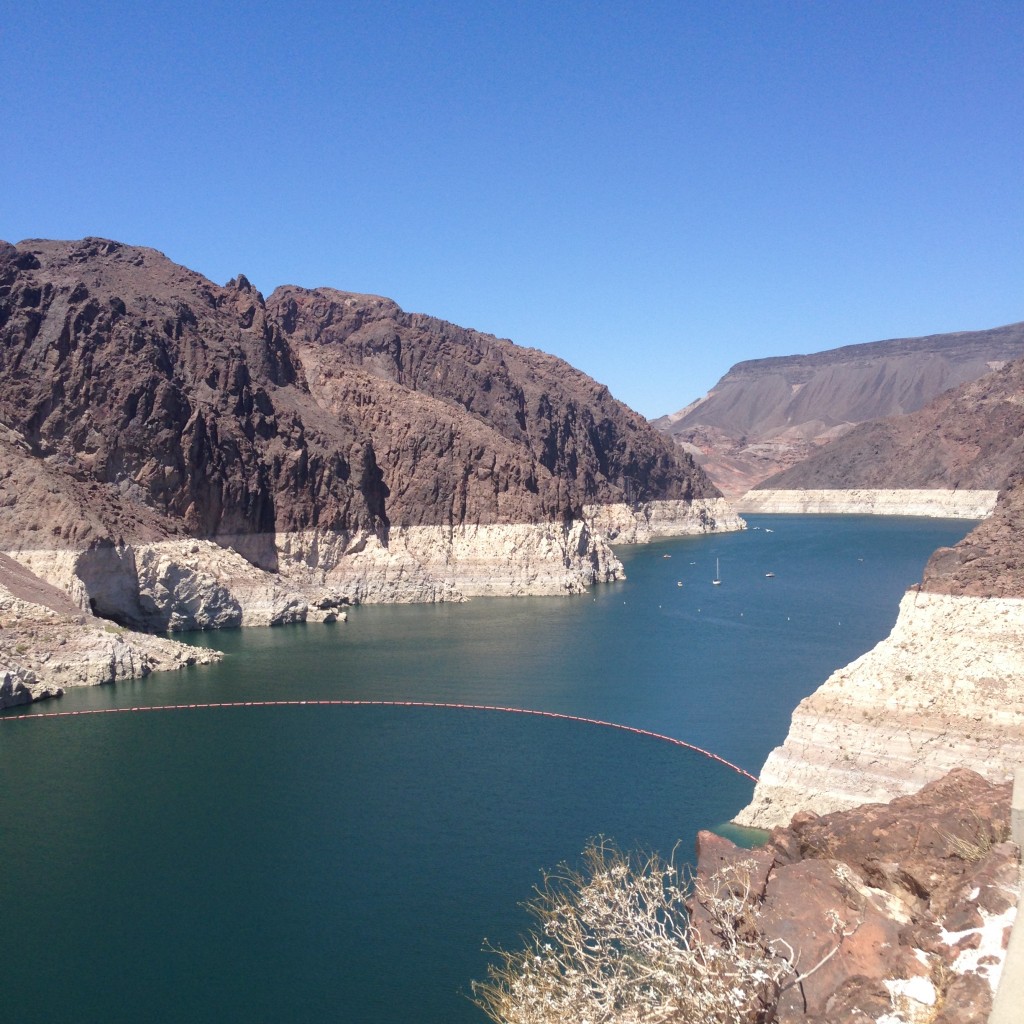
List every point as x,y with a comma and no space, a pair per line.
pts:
970,437
767,415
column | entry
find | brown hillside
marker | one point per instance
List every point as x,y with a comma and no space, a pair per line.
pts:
970,437
766,415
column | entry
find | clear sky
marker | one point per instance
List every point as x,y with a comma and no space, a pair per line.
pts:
652,191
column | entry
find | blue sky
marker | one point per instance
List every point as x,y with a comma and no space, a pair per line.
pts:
651,191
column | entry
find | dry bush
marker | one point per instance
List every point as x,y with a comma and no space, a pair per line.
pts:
613,942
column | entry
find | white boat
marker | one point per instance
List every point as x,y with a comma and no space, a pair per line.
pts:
717,580
769,575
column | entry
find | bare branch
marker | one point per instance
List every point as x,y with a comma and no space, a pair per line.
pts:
614,945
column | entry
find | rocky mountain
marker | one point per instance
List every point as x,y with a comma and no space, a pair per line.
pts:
535,438
989,561
766,415
969,437
175,454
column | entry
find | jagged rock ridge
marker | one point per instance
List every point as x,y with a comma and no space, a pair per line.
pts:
362,353
175,454
768,414
196,400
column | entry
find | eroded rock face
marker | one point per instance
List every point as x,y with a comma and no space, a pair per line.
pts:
946,688
903,905
47,644
989,561
176,455
122,369
236,418
770,415
564,441
970,437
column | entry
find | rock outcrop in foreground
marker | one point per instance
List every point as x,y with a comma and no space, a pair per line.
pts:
946,688
906,906
176,455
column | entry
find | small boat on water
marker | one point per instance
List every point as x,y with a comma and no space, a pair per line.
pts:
769,575
718,576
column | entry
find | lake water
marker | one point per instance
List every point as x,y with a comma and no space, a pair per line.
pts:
345,864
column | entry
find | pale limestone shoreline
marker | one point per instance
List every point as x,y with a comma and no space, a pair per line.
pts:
938,503
188,584
944,689
44,651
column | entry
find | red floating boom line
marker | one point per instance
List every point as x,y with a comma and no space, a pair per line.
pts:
386,704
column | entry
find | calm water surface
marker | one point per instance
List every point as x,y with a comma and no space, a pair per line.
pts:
345,864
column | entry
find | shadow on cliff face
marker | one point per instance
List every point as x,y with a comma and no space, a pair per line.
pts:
110,581
374,491
150,592
259,549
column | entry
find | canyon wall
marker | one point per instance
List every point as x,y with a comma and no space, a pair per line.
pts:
770,415
945,688
968,438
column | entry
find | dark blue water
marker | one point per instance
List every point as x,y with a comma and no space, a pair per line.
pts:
345,864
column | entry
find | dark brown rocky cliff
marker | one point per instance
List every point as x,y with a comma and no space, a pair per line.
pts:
897,911
165,404
181,399
989,561
531,431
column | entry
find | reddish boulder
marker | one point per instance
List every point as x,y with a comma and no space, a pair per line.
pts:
861,898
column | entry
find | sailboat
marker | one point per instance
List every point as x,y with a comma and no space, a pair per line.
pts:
717,580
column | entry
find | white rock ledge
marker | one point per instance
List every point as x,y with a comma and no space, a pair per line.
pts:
43,652
946,504
945,689
638,524
189,584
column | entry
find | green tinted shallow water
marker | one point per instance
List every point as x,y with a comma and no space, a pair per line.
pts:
345,863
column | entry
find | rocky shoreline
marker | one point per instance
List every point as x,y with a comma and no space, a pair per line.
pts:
110,595
48,644
944,689
937,502
178,455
